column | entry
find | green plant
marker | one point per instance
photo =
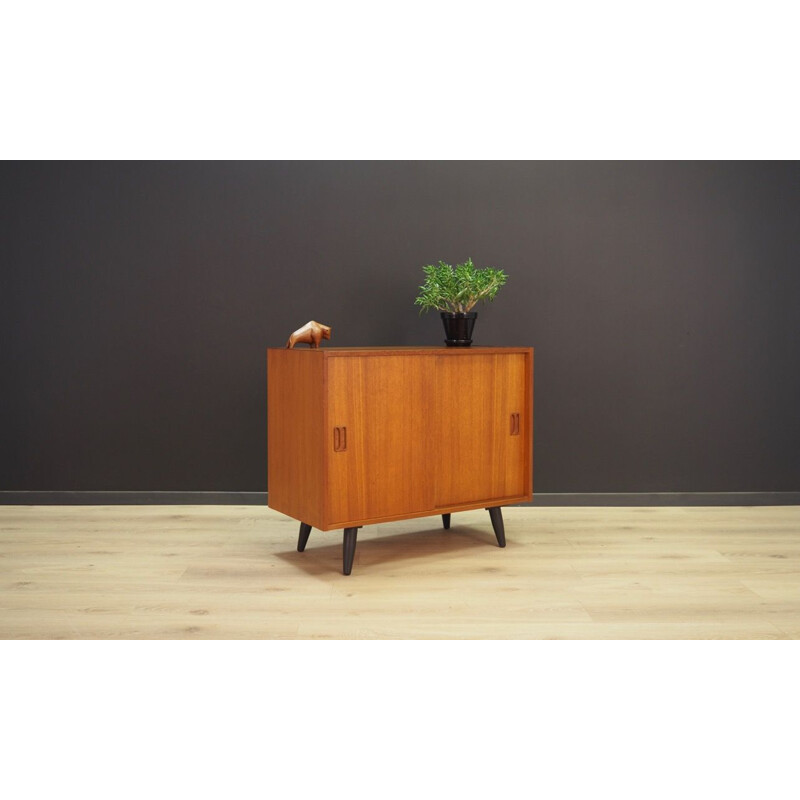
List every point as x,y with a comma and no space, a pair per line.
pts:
459,288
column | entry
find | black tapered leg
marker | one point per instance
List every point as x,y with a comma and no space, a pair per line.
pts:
446,521
496,514
348,549
305,530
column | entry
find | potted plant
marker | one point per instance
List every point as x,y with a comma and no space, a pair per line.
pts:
454,291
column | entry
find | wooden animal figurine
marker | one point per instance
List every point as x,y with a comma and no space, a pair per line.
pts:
311,333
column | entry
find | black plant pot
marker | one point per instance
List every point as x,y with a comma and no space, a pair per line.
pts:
458,328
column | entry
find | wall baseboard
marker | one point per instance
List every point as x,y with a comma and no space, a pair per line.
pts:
132,498
260,498
668,499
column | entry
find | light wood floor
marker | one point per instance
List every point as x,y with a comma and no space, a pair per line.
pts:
226,572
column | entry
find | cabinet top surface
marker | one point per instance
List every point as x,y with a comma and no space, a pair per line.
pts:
411,350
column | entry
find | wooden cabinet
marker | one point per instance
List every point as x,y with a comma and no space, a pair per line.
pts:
358,436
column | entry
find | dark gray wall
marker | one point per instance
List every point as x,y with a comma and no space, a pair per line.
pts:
137,301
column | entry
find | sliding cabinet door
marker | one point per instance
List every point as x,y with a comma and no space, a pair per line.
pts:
482,428
379,437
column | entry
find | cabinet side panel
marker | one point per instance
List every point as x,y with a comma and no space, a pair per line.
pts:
529,443
295,469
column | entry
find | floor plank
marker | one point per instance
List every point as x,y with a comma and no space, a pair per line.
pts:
232,572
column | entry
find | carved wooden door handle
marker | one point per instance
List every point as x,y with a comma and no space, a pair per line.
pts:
515,424
339,439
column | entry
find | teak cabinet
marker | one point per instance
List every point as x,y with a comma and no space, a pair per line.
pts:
358,436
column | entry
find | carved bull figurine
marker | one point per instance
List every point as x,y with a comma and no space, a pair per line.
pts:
311,333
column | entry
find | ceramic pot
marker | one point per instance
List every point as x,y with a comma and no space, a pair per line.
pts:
458,328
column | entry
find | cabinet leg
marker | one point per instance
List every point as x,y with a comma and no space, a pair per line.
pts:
348,549
305,531
496,515
446,521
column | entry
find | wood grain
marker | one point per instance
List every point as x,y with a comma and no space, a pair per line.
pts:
404,432
296,477
231,572
455,352
386,469
476,456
